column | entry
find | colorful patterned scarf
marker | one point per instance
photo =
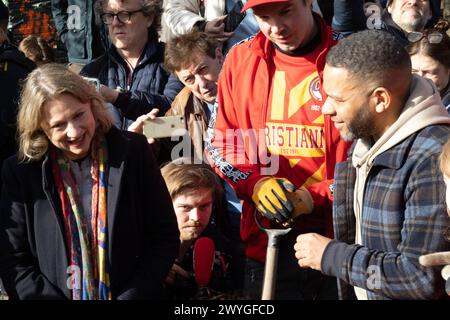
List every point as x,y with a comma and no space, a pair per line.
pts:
88,250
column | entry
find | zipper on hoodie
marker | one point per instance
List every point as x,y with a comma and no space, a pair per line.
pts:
359,205
266,103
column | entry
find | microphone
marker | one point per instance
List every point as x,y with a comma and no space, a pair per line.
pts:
203,260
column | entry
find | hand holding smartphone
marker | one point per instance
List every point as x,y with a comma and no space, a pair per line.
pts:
164,127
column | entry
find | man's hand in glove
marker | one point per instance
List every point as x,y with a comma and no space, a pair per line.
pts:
270,198
277,198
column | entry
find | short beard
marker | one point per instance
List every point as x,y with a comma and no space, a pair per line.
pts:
187,236
348,136
362,124
414,25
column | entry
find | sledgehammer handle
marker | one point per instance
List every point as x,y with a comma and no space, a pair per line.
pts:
270,273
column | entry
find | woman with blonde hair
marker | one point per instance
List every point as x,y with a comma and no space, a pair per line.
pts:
85,213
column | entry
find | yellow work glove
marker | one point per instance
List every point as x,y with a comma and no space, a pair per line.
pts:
269,197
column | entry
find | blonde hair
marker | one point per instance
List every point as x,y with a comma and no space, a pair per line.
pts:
183,178
444,159
45,84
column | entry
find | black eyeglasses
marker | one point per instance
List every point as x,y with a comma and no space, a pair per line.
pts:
433,37
122,16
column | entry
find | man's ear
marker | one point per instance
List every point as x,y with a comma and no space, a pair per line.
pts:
150,20
381,98
389,7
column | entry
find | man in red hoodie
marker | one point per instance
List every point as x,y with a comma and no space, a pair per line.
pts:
269,138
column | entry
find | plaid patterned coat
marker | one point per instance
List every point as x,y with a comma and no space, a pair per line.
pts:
404,216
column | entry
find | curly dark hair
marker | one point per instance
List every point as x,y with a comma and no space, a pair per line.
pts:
155,8
370,55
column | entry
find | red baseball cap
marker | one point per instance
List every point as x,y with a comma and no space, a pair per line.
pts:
253,3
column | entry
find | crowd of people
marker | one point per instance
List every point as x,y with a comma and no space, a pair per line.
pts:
334,128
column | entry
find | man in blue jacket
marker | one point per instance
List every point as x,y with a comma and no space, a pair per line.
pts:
131,72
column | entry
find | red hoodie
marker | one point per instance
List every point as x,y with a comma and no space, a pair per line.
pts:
244,94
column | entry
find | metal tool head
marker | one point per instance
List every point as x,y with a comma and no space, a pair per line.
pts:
273,234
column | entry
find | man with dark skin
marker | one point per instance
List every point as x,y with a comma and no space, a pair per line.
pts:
388,207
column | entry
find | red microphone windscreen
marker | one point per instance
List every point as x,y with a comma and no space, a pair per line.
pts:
203,260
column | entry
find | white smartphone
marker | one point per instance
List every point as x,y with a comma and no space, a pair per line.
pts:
163,127
94,81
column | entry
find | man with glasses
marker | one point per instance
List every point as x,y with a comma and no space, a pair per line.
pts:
80,30
131,72
389,197
122,16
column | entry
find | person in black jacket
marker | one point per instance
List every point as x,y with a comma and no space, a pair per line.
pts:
14,67
84,212
197,197
132,75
